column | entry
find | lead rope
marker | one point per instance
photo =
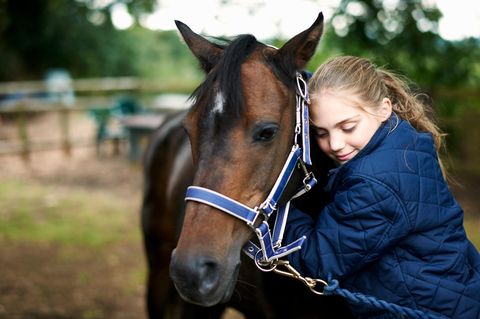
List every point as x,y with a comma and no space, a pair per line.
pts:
332,288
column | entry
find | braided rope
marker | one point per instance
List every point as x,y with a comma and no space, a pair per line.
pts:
358,298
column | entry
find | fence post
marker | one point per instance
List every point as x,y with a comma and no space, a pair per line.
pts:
23,131
64,113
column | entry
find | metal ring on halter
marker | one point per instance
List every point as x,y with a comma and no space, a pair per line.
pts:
298,129
312,284
261,266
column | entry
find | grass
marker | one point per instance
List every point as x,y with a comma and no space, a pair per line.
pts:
40,213
472,227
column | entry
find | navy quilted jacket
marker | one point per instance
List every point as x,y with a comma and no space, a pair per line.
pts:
392,230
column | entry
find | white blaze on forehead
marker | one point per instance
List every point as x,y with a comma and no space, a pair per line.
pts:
219,103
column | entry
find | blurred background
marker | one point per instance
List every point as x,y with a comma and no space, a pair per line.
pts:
84,82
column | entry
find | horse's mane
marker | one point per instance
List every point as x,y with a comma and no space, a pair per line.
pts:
225,77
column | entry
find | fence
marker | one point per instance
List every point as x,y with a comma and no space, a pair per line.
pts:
90,95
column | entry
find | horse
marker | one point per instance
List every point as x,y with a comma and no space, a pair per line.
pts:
234,140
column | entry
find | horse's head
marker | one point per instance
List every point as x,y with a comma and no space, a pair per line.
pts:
241,128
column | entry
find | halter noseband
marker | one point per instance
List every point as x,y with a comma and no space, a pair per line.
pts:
271,242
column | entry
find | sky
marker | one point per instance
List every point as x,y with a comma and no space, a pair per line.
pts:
269,18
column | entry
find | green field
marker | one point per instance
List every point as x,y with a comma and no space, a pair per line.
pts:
48,213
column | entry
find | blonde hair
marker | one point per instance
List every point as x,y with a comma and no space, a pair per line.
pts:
371,84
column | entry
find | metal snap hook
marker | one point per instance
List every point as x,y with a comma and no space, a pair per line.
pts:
293,273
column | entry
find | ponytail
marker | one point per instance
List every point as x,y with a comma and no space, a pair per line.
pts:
371,84
413,108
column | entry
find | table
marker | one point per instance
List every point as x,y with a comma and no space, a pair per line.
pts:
139,128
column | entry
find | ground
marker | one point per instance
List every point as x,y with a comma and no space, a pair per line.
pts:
59,275
76,251
70,244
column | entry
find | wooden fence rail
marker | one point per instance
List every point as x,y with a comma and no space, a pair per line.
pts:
103,85
90,94
24,145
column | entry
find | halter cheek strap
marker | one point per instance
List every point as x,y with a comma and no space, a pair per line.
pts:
302,120
270,243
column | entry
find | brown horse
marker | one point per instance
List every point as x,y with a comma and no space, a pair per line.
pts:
240,129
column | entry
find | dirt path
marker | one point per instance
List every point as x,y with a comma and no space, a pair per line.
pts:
51,281
60,281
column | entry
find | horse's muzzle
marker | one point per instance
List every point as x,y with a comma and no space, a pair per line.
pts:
202,280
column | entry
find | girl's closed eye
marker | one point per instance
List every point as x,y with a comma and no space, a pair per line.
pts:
349,127
319,133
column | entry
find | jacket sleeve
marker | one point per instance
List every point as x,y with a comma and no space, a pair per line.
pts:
365,219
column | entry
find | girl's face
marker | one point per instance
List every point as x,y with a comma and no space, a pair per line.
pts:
341,127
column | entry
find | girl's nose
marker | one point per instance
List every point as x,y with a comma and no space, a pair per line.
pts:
336,142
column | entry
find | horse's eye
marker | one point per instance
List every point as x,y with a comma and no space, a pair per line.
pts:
265,132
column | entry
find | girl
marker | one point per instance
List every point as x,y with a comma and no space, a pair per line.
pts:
392,229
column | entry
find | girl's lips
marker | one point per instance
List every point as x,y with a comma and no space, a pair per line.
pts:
344,157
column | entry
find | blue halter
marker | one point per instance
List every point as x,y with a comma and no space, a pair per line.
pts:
270,242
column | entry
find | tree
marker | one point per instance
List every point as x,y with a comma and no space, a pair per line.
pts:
42,34
402,35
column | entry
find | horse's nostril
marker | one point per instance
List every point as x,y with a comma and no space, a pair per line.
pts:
207,274
196,278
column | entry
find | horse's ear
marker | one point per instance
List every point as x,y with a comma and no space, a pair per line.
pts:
206,52
299,49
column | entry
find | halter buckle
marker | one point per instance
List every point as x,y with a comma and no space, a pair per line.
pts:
306,185
302,88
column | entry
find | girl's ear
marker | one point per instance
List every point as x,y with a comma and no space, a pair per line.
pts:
385,109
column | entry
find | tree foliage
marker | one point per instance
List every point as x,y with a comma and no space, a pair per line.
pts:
42,34
78,36
402,35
